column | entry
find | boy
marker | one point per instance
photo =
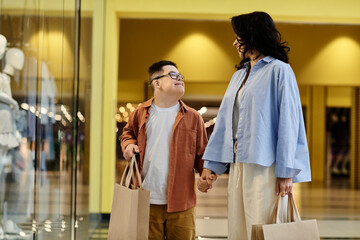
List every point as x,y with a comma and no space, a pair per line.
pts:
170,139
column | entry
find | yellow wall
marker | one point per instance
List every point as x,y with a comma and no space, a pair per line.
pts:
317,133
339,97
109,105
346,11
97,94
319,55
333,11
202,50
324,54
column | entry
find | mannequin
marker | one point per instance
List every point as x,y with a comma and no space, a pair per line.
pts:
9,138
3,43
14,61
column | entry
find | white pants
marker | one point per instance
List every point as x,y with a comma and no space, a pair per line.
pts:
251,196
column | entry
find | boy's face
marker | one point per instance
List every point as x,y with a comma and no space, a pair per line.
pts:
168,86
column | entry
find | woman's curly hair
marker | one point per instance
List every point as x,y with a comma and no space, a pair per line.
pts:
257,30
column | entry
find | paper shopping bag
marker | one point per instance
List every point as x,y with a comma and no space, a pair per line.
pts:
130,211
286,226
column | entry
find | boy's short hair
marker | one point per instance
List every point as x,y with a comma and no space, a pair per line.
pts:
156,67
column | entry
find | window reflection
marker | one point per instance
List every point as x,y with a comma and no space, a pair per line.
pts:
39,149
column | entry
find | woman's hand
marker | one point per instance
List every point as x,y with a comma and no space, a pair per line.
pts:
284,186
206,180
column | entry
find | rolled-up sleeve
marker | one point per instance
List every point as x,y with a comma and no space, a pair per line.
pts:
217,167
129,133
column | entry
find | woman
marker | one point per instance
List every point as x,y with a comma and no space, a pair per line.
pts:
259,129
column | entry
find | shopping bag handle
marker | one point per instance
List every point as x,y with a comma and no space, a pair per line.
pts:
130,174
134,162
291,214
124,173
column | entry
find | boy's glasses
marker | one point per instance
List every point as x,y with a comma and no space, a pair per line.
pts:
173,75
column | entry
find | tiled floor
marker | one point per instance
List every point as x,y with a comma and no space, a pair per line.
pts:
336,209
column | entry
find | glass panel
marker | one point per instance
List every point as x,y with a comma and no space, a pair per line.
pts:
36,184
338,147
44,124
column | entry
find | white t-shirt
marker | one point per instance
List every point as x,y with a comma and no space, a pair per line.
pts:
159,129
236,112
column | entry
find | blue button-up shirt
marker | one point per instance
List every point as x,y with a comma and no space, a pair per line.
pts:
270,128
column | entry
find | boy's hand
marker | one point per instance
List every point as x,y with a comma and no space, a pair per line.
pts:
202,185
206,180
130,150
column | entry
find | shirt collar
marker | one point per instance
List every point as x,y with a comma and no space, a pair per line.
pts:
266,59
261,62
148,103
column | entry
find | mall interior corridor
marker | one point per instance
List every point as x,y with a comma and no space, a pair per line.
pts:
72,72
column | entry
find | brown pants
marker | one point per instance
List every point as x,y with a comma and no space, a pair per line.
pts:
171,226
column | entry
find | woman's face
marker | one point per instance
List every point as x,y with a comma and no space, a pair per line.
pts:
240,47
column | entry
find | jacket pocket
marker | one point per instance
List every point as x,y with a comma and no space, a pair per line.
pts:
186,140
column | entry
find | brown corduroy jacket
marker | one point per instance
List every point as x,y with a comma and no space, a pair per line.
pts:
188,144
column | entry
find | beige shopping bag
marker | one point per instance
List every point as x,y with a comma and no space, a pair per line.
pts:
130,211
287,225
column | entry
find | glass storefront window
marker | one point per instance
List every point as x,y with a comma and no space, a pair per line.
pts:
45,82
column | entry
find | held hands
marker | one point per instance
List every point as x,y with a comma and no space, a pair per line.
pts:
283,186
206,180
130,151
